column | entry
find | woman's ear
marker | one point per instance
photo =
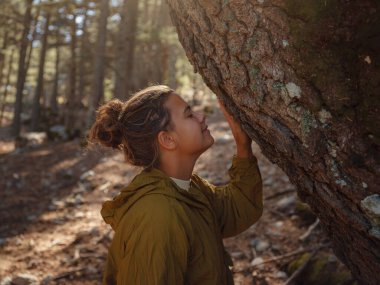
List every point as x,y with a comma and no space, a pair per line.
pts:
166,141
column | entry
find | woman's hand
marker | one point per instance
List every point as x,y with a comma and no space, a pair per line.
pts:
243,141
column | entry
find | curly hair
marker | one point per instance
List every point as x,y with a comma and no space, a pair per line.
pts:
132,126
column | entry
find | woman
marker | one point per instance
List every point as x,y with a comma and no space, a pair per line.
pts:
169,222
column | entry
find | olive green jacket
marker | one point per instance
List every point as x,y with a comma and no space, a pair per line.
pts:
165,235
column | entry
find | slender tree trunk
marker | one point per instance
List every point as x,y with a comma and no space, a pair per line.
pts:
125,49
83,55
99,66
16,124
303,78
40,80
70,108
2,56
6,86
54,96
33,31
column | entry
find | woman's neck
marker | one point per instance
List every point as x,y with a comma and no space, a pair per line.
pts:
177,167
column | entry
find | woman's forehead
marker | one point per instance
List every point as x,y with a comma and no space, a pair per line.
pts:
176,103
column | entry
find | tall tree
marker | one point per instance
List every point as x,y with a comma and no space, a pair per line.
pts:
40,80
33,31
71,99
303,78
6,85
16,123
125,48
83,56
99,66
53,98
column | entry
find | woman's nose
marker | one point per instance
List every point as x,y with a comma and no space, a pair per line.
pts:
200,116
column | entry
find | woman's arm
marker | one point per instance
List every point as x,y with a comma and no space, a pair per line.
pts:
239,204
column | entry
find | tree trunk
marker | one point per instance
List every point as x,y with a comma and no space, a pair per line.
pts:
83,55
2,56
99,66
303,78
70,107
54,95
125,49
33,31
21,74
40,80
6,86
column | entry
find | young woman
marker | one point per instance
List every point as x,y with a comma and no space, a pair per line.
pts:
169,222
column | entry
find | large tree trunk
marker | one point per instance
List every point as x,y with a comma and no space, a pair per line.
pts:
303,77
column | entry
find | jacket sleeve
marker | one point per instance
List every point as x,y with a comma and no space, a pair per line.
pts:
154,245
239,204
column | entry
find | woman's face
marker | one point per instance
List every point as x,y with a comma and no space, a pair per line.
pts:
188,128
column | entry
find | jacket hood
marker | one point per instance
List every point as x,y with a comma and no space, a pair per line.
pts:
146,183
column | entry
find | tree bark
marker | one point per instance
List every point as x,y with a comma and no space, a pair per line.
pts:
40,80
21,74
303,79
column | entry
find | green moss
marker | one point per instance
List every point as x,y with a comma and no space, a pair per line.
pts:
253,86
224,3
233,47
278,85
254,72
341,277
251,42
227,14
307,122
324,66
311,10
299,261
317,267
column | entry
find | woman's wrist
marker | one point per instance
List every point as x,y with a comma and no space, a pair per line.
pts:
244,151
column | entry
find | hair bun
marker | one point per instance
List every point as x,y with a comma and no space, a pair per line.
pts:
107,130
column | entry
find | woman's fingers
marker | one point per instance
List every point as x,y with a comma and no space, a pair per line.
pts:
243,141
237,130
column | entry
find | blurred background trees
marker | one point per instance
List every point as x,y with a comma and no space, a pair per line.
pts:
59,59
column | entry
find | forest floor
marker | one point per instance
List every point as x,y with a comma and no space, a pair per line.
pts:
51,231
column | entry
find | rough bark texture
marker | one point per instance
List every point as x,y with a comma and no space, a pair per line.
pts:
303,77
